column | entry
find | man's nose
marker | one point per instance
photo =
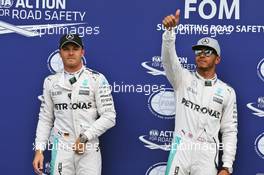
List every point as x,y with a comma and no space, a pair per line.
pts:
71,52
202,54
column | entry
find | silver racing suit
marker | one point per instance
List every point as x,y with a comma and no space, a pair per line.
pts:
204,107
85,106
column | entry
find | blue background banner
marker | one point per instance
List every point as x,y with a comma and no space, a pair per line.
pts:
123,41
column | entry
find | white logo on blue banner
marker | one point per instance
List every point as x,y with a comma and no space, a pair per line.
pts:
157,169
154,66
60,19
162,103
157,139
259,145
257,107
6,3
221,10
260,69
55,62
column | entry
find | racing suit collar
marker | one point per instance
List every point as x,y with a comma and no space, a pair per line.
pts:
63,81
206,82
76,74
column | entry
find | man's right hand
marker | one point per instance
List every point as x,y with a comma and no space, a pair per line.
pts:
38,162
171,21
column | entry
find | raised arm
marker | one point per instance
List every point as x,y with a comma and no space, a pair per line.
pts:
170,60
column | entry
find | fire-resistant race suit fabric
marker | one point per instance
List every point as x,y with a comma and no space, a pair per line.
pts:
83,106
203,108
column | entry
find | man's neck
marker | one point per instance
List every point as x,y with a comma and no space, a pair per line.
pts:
206,74
73,69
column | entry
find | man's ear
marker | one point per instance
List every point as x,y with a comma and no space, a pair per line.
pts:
218,60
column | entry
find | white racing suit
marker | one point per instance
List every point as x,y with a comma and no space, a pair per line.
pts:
85,107
203,108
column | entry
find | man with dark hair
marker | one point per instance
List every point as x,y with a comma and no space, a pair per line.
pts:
77,106
205,106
